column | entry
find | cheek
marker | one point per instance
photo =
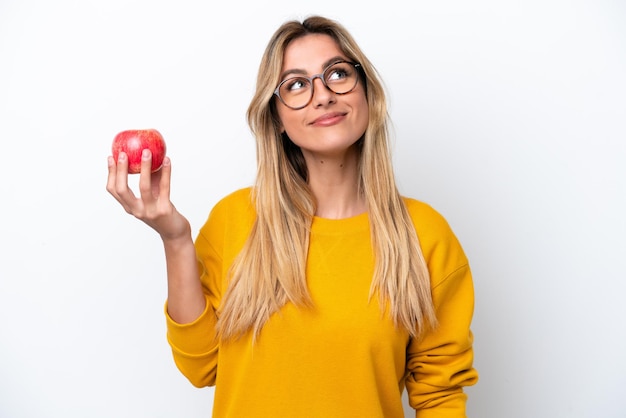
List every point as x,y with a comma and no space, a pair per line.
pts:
363,116
360,105
290,121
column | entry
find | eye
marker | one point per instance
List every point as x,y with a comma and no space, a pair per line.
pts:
295,84
338,73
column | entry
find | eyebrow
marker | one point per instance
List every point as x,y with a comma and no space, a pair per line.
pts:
300,71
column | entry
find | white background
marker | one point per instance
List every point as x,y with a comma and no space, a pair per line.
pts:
509,119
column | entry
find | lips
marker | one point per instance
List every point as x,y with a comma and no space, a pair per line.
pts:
328,119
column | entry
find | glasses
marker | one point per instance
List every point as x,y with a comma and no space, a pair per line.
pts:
340,77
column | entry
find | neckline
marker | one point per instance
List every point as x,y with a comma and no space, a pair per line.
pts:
330,226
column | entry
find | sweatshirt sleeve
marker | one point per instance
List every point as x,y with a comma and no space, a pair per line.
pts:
440,364
193,347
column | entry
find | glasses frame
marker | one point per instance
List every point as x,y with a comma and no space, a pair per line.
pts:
312,78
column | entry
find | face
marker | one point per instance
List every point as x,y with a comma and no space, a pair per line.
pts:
331,123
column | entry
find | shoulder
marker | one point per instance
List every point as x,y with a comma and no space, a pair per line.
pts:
239,197
234,203
233,212
441,248
427,220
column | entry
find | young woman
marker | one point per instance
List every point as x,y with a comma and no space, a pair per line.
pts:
320,291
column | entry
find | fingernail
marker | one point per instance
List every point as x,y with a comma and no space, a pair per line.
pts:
145,154
121,157
110,161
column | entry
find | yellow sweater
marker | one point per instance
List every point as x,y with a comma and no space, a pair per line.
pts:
341,358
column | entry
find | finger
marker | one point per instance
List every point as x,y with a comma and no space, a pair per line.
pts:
166,176
125,195
111,176
145,176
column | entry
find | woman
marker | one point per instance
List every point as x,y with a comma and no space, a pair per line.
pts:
321,291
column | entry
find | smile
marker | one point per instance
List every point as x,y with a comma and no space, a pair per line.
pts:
329,119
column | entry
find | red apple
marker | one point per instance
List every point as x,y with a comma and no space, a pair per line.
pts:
134,141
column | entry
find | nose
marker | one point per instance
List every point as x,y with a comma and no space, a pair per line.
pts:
322,95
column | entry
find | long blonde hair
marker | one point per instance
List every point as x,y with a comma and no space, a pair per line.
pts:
270,270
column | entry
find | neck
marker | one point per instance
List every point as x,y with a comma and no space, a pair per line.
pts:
334,184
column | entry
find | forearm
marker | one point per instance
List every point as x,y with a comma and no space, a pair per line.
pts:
190,316
186,301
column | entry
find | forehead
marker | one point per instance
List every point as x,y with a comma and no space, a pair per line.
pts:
310,52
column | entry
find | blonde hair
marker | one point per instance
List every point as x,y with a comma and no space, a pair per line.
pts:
270,270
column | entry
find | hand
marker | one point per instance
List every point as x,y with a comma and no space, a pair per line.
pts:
153,207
